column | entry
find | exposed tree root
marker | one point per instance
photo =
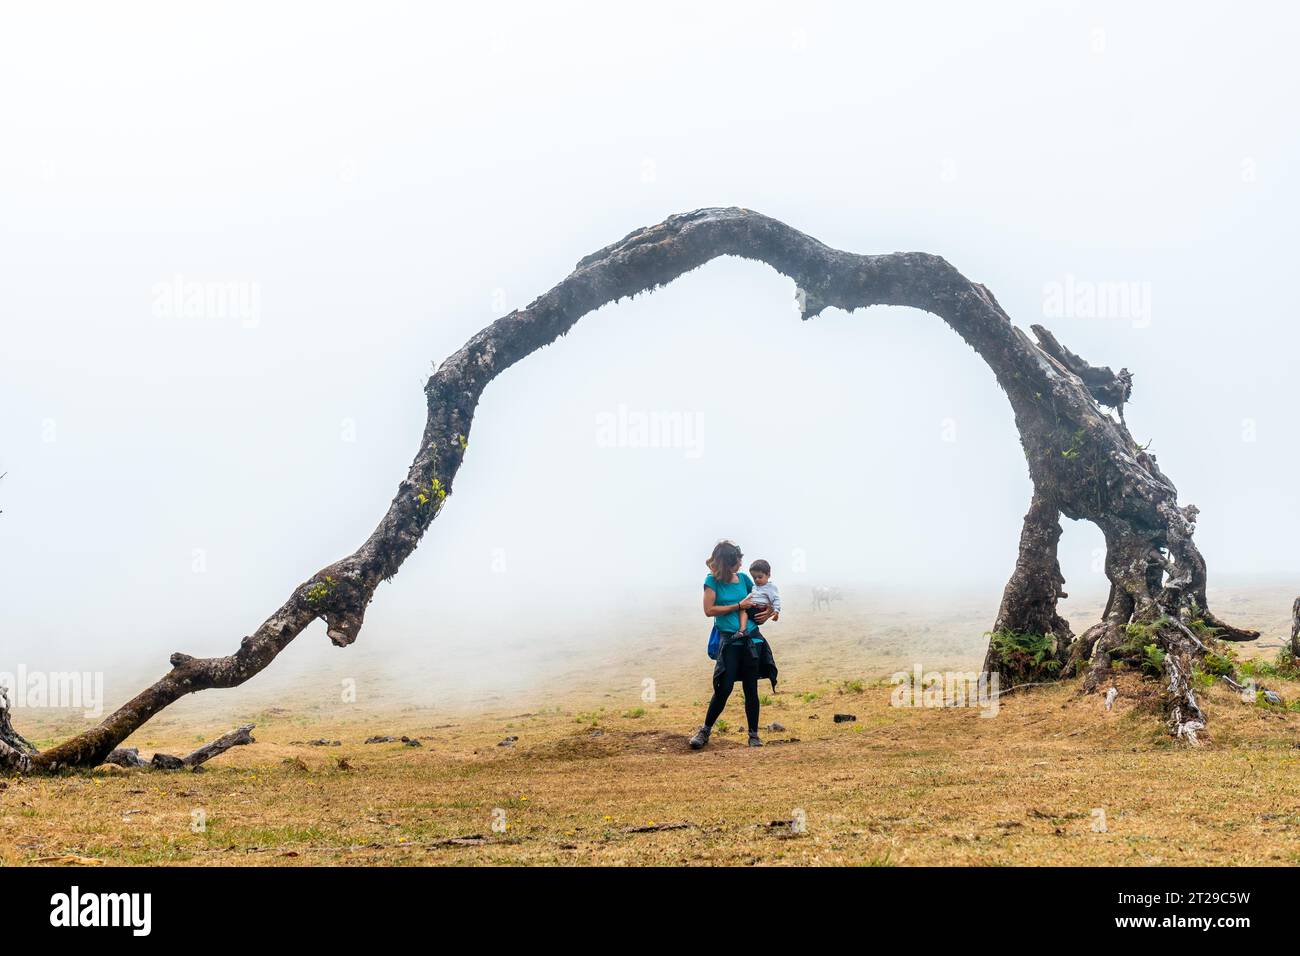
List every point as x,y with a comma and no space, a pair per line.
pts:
15,752
1083,463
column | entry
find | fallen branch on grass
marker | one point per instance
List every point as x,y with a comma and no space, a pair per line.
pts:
130,756
657,827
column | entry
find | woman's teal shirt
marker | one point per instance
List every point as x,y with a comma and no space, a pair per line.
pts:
732,593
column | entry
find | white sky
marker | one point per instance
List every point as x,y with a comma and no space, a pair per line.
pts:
387,179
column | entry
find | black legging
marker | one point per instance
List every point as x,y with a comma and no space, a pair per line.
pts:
741,665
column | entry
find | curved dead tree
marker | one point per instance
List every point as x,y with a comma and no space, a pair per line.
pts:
1084,464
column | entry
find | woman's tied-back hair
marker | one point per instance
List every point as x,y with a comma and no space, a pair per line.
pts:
725,560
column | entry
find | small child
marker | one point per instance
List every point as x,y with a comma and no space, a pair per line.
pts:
765,593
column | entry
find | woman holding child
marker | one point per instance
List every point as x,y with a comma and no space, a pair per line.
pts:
738,604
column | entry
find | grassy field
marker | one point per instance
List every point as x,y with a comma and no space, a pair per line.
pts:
599,775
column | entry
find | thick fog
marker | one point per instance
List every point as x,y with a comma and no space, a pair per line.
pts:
354,192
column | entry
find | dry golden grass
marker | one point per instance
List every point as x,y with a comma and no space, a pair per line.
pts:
898,786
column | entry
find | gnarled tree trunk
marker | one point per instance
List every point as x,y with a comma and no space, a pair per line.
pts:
1028,609
1295,629
1083,464
1086,465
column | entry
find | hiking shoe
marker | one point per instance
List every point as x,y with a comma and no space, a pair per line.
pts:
701,738
753,739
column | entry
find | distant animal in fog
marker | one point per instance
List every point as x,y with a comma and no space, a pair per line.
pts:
823,596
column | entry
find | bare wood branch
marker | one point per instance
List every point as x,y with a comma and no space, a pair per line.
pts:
239,737
130,756
1109,388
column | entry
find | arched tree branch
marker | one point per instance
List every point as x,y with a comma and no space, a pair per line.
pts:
1108,480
